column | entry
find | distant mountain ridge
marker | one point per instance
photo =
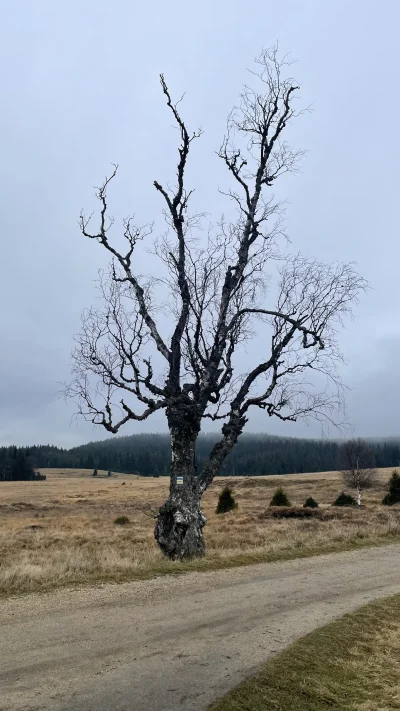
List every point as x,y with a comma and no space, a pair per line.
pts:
254,455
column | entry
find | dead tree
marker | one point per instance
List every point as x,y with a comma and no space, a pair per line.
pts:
358,466
135,357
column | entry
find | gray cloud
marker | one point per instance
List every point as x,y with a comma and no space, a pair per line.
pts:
81,90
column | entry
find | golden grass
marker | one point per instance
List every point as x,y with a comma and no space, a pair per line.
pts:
61,531
349,665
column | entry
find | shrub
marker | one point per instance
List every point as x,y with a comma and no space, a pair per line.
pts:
310,503
294,512
39,477
226,501
393,495
280,498
121,520
94,472
109,474
345,500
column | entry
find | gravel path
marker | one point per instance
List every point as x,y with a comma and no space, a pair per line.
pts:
174,642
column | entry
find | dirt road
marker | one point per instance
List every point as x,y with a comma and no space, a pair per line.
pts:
174,643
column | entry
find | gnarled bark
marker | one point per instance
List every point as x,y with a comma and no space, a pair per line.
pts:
180,521
179,526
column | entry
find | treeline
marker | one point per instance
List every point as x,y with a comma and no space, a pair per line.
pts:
149,455
17,464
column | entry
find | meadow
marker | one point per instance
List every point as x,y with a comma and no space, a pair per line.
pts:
61,531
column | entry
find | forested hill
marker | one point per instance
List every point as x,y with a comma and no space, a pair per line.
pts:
148,455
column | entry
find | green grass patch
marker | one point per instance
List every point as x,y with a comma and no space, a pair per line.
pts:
349,665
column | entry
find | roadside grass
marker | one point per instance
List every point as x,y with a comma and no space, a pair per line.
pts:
68,567
62,532
349,665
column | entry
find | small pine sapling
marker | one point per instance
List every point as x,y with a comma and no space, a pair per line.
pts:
393,495
226,501
280,498
345,500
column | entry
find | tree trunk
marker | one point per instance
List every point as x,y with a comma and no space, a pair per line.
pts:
359,497
178,529
180,521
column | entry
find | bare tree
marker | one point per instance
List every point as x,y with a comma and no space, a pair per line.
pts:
135,357
358,466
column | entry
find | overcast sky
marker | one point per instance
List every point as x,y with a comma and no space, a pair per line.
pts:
80,90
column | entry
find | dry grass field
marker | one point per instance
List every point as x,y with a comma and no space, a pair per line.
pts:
62,531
